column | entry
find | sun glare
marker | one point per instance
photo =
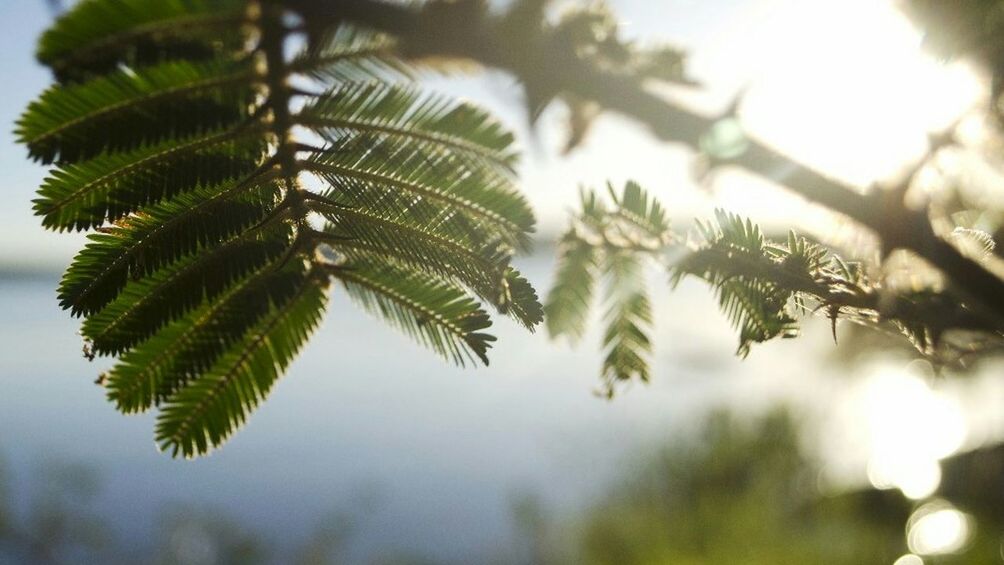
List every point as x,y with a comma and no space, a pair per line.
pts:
846,87
937,528
910,428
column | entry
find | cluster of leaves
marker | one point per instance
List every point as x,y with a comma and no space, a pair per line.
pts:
763,286
586,33
613,244
593,33
170,131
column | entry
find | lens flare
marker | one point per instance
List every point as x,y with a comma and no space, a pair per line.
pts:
937,528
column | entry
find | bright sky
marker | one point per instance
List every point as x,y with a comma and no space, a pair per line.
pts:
840,85
23,239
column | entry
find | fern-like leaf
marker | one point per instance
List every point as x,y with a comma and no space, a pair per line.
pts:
87,194
615,241
519,300
405,112
432,311
146,305
97,36
176,130
757,309
628,319
145,242
209,409
478,268
402,175
350,54
755,305
568,303
641,210
126,109
156,368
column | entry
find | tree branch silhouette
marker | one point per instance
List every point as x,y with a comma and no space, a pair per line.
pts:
548,65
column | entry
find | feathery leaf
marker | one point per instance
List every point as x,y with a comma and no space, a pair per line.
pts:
176,128
145,242
628,319
568,303
146,305
478,266
96,35
149,373
350,54
396,173
519,300
127,109
433,312
87,194
641,210
755,305
405,112
209,409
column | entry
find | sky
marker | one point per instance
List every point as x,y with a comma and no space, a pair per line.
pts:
24,242
843,86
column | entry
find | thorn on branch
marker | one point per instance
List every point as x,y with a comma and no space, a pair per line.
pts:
324,200
834,313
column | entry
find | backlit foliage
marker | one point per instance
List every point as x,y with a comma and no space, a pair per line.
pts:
763,286
185,138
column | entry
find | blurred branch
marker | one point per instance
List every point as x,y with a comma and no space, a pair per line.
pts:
548,64
55,6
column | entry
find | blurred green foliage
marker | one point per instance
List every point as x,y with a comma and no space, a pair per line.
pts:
749,492
733,494
738,490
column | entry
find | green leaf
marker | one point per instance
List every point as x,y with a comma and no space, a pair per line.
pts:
736,260
432,311
144,306
568,303
405,112
127,109
615,242
626,341
519,300
153,370
478,266
174,137
95,36
641,210
398,174
87,194
628,319
350,54
212,407
735,231
145,242
481,267
757,309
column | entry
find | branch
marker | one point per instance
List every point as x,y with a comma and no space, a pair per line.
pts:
834,294
547,63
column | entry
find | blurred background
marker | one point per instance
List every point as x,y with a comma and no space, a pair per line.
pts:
374,451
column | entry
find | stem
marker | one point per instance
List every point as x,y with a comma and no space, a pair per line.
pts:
831,295
273,39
